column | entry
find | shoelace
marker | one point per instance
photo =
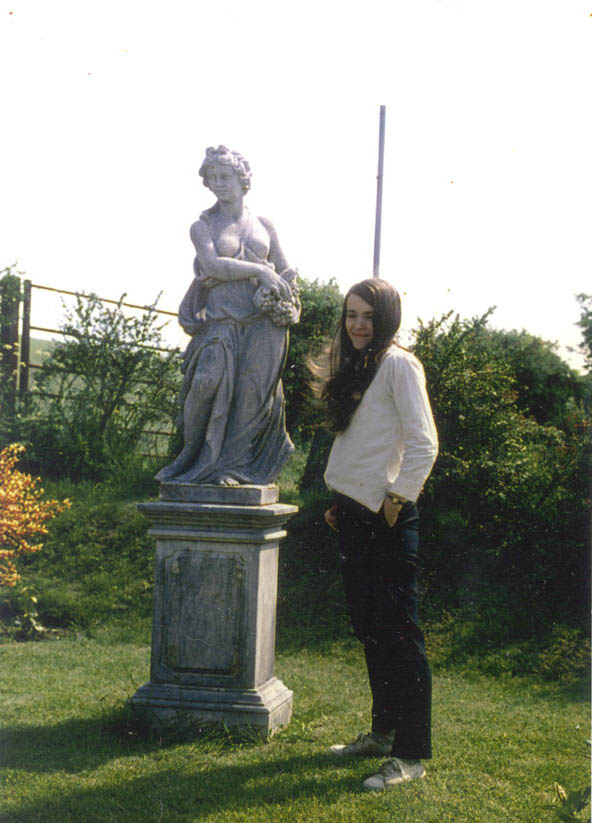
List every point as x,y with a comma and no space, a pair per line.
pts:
390,767
361,738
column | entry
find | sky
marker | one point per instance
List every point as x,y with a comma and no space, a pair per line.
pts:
108,106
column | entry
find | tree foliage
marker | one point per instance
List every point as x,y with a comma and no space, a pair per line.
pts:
507,506
9,310
101,387
321,307
585,324
545,385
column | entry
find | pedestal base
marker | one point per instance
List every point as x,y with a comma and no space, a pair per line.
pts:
263,710
215,590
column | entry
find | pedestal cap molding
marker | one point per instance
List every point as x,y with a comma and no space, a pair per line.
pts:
207,521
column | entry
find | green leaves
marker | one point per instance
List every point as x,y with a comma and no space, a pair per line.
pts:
573,803
518,486
585,324
321,308
102,387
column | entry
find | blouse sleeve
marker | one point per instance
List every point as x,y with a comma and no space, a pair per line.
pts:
420,438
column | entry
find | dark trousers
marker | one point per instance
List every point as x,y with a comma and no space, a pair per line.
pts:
379,565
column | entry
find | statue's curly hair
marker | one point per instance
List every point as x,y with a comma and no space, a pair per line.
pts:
227,158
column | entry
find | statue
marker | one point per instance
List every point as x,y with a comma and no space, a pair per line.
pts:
237,311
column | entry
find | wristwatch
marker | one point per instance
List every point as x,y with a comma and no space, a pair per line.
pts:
396,498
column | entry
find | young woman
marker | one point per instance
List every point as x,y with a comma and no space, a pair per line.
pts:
384,449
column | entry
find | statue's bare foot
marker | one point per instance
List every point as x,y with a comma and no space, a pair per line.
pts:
228,480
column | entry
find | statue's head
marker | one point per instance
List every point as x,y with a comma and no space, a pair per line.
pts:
225,157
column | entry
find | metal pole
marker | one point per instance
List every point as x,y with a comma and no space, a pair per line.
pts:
377,225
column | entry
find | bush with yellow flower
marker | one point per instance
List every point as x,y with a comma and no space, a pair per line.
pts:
23,513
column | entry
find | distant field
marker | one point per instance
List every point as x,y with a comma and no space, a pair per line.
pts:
40,349
39,352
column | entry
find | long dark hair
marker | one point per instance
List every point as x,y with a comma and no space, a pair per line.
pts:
350,371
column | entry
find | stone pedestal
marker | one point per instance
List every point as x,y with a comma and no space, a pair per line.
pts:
213,635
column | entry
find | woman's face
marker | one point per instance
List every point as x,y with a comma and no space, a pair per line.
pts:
359,321
224,182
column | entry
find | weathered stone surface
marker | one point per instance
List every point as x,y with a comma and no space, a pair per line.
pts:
265,709
213,638
241,300
198,639
246,495
248,524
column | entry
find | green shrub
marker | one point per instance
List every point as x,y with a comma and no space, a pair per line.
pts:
492,641
96,566
62,605
567,656
289,478
505,514
321,308
573,805
101,387
19,615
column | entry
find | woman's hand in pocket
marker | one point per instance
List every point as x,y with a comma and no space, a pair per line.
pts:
331,517
391,511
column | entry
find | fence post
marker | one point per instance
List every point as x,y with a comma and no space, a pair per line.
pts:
25,341
9,311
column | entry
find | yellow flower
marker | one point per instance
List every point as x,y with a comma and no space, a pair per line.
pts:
23,513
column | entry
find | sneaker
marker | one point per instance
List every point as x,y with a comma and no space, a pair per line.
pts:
366,745
394,771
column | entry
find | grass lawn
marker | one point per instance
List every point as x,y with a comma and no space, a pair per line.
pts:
70,754
500,745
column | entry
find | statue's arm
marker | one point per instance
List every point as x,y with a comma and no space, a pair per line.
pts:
214,267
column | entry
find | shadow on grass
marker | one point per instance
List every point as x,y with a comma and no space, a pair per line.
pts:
209,789
73,746
82,744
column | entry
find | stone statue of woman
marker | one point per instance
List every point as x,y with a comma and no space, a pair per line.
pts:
237,311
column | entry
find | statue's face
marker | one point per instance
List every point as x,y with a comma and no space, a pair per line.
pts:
223,182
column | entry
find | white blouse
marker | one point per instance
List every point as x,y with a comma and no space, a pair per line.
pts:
391,441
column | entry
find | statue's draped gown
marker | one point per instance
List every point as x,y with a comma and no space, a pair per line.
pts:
245,437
